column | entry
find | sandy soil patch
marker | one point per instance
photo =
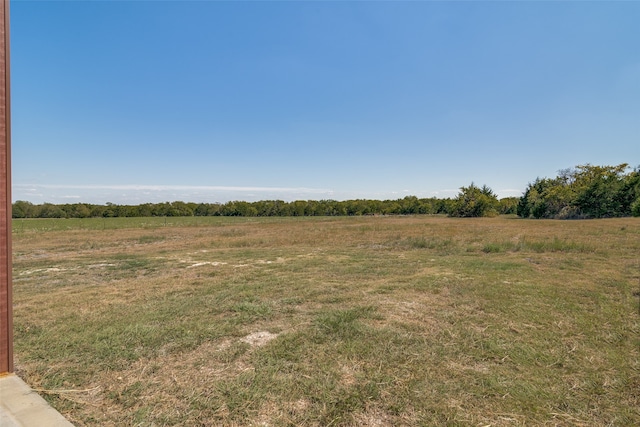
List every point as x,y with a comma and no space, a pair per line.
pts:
258,339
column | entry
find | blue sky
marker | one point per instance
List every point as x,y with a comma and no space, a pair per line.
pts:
211,101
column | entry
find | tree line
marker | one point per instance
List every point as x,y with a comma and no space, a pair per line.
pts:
409,205
585,191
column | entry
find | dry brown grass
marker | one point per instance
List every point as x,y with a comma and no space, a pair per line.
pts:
374,321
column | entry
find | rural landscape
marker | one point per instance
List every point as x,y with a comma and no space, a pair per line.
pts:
320,213
344,321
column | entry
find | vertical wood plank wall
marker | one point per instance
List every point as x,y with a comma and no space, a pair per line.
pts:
6,314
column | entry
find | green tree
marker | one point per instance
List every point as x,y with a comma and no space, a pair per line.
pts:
473,201
298,208
49,210
546,198
22,209
630,193
635,207
508,205
584,192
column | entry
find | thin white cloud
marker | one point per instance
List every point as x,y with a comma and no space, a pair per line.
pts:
137,187
445,192
141,193
509,192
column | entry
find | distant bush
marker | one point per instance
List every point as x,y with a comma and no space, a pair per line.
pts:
473,201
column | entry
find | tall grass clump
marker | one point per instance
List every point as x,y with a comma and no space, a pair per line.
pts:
554,244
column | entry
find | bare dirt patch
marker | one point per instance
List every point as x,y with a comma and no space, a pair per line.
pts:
258,339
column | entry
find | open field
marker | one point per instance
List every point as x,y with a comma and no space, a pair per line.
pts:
355,321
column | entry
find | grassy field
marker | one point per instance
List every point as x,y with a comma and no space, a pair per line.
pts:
368,321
